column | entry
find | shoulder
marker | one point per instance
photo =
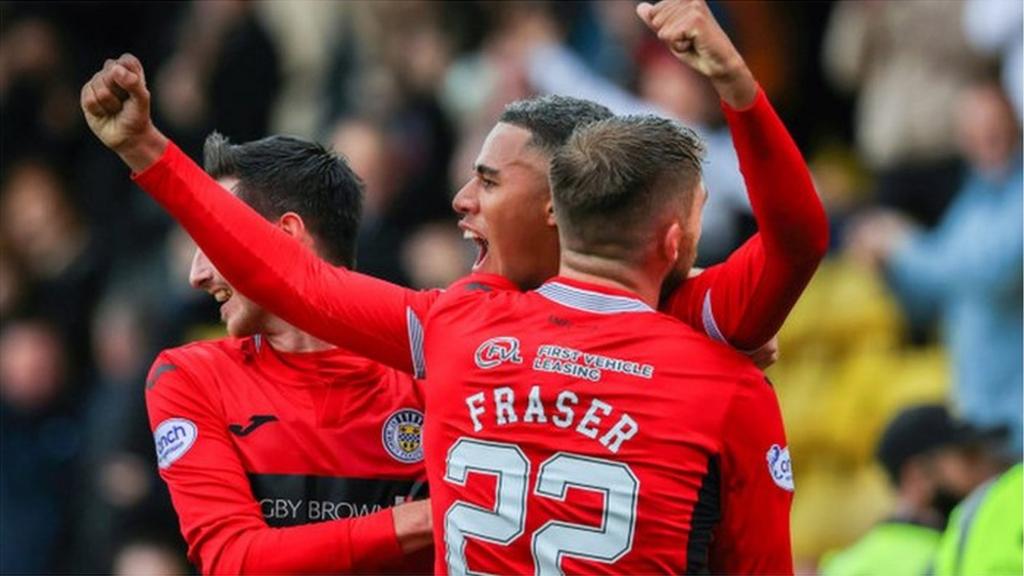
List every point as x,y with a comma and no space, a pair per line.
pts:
196,355
679,339
192,367
477,288
477,284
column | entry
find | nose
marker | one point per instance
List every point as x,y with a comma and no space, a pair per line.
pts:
201,272
465,201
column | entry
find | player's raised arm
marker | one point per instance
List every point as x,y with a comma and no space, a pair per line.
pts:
745,300
363,314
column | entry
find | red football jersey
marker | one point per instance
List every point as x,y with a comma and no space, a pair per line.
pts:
250,440
573,429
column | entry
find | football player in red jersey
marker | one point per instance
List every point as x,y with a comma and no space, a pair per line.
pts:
573,428
284,454
505,208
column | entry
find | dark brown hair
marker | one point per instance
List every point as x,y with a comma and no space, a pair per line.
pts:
552,119
613,177
283,174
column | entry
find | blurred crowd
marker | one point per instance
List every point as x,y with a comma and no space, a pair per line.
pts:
908,112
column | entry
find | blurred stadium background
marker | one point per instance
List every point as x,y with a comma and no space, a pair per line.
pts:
93,276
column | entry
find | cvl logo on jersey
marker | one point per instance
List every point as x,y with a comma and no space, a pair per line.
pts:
403,435
780,467
496,351
174,437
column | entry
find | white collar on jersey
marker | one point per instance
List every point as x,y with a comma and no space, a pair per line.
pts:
590,301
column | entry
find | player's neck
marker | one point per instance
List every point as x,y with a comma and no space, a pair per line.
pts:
610,273
284,337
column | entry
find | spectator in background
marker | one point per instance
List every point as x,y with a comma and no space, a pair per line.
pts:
48,237
149,556
305,35
985,531
993,27
967,272
12,282
38,440
224,75
932,462
907,61
37,94
395,65
366,147
435,256
116,466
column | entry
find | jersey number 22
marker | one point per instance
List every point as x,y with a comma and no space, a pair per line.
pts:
506,522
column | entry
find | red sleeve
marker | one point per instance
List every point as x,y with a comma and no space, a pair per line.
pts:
757,488
360,313
745,300
220,519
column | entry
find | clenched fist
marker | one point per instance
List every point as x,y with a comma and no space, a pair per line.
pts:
695,38
116,106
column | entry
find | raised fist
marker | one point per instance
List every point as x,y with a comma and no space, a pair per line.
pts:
695,38
116,106
116,102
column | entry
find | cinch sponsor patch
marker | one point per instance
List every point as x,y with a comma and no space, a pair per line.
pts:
174,437
780,467
403,435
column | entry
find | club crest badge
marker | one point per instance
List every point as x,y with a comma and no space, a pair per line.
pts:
403,435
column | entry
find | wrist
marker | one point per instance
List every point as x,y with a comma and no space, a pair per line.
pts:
413,526
143,151
736,85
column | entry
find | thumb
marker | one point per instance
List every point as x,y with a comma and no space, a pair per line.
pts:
646,12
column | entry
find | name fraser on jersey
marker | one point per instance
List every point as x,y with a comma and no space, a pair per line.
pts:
504,411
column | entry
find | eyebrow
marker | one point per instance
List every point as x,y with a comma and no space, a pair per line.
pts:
485,170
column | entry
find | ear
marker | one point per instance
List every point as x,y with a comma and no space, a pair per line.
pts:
294,226
549,207
672,241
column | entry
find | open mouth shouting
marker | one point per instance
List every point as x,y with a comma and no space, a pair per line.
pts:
481,245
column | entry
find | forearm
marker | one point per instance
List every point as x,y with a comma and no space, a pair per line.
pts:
789,214
338,546
413,525
736,86
142,152
351,310
792,226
